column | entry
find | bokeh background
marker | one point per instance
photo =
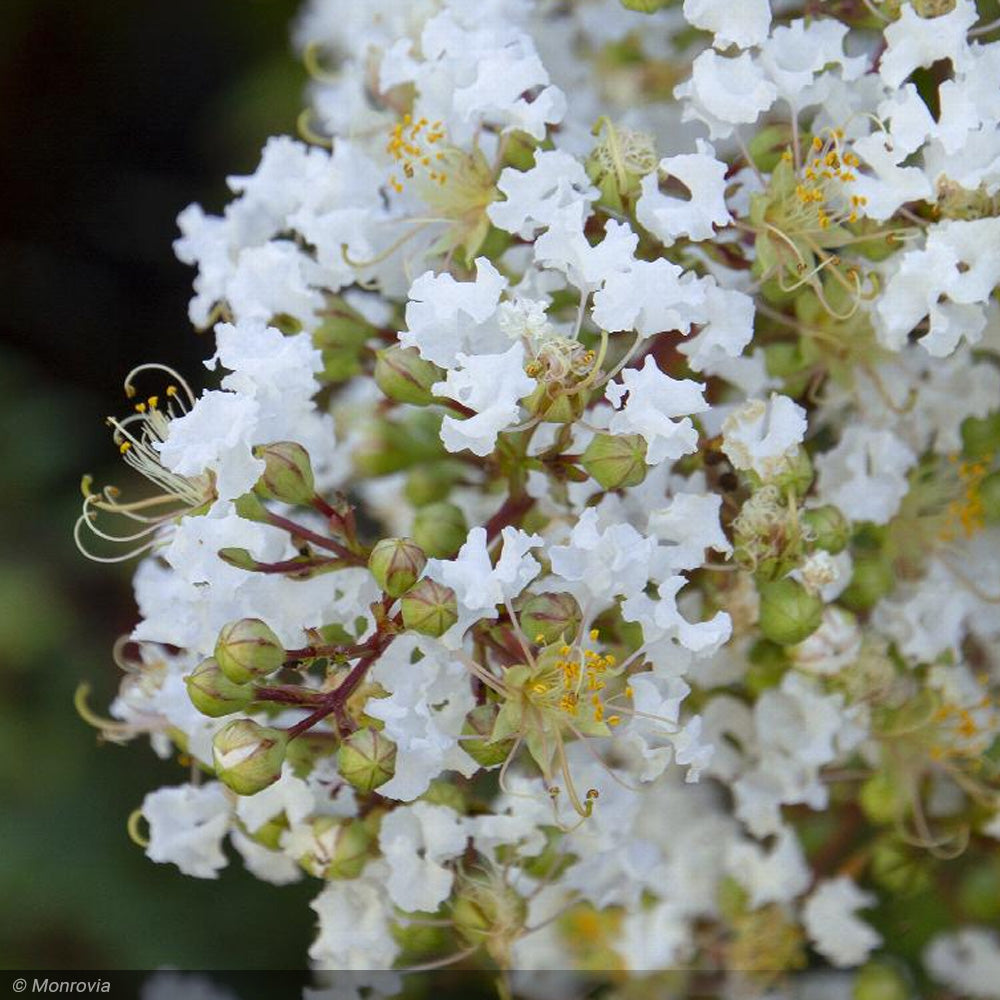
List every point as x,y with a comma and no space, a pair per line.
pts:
115,114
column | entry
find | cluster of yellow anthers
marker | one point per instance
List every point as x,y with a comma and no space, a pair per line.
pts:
961,730
581,675
966,511
828,163
411,145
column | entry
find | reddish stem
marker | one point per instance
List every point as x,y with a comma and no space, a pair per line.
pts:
510,512
318,540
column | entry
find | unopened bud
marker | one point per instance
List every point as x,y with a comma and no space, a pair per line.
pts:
213,693
616,461
553,405
546,618
440,529
367,759
288,474
429,608
827,528
248,649
788,612
880,981
644,6
871,579
405,377
338,849
882,798
427,484
396,564
981,435
248,756
477,739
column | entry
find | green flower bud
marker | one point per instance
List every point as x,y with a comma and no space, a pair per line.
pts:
827,528
788,612
339,849
405,377
880,981
288,474
616,461
871,579
479,724
396,564
645,6
426,484
443,793
367,760
546,618
247,649
899,868
213,693
882,798
768,664
989,497
979,892
440,529
981,435
933,8
393,445
340,338
248,756
554,406
429,608
783,359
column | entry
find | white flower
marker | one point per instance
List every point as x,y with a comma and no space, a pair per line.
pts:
967,960
354,923
186,827
834,930
742,24
727,329
445,317
534,197
913,41
565,247
649,297
606,562
668,217
725,92
775,876
654,404
950,280
865,474
491,384
414,840
479,586
832,647
764,436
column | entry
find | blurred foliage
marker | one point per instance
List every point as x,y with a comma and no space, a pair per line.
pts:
116,116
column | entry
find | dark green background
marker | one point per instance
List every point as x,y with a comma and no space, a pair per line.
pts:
114,117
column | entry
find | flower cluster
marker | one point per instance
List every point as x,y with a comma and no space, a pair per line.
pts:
588,558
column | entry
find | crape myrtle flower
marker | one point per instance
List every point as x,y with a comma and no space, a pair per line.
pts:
584,554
